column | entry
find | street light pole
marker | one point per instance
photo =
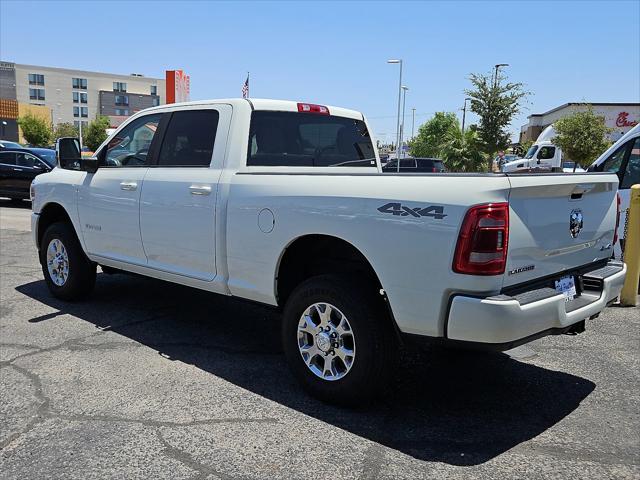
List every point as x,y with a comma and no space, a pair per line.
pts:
399,99
464,112
413,122
404,101
497,66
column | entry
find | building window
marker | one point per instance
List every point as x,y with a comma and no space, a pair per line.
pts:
123,112
84,112
156,101
154,89
80,83
76,111
122,100
119,87
79,97
36,79
76,124
36,94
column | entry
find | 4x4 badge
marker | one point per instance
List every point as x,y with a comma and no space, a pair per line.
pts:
394,208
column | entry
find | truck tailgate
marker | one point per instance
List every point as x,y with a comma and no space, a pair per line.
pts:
558,222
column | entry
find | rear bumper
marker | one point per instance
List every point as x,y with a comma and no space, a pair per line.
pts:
504,321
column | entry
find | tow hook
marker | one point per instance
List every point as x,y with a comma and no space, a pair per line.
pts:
576,328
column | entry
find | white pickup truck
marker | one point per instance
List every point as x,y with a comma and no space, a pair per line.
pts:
285,203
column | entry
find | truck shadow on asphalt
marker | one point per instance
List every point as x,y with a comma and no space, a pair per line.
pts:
460,408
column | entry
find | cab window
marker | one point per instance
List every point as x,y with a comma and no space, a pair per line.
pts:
614,162
632,169
546,153
130,146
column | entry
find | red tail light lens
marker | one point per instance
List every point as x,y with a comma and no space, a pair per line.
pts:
483,240
615,233
312,108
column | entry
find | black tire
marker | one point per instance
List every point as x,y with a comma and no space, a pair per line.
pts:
375,340
81,272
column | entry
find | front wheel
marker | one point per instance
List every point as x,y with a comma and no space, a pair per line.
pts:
338,340
69,274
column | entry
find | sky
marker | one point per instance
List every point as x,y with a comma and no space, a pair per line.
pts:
336,53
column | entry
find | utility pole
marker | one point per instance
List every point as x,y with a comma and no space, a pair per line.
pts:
464,112
404,101
398,61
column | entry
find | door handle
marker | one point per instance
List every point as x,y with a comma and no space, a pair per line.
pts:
200,189
128,185
17,169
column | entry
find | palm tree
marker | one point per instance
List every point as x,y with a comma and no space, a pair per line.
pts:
461,151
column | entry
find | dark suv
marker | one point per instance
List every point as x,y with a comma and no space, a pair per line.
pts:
18,167
421,165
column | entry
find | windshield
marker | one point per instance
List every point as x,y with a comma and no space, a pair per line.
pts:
308,140
47,155
531,152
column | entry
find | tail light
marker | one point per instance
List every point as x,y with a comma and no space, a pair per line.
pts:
615,233
312,108
482,243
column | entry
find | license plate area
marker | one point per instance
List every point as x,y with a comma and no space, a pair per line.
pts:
567,287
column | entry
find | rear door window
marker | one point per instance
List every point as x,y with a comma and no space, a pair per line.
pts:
308,140
189,139
8,158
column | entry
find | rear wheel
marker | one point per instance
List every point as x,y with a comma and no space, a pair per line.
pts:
68,272
338,340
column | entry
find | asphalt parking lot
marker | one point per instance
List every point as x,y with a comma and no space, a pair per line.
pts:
154,380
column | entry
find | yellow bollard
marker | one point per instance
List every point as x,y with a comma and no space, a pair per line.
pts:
629,294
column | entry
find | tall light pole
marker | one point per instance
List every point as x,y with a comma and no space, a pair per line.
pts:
497,66
413,123
404,101
464,112
399,61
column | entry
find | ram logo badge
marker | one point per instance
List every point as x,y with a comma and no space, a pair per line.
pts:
575,222
394,208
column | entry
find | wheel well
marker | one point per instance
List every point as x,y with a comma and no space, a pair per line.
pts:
50,214
320,254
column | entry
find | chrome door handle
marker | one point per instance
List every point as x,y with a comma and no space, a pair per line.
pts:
128,185
200,189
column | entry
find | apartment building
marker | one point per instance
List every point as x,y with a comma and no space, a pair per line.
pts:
75,96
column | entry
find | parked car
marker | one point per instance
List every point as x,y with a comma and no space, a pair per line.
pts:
623,159
285,204
415,165
8,144
19,166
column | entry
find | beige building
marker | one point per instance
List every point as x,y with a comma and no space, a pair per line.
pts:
620,117
79,95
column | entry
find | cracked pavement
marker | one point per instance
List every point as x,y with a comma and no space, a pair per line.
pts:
153,380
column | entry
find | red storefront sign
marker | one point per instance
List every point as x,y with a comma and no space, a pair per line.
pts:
622,120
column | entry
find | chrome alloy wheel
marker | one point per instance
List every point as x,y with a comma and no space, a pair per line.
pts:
57,262
326,341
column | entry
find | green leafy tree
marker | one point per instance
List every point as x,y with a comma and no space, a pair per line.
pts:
428,142
65,130
35,130
582,136
496,102
462,151
96,132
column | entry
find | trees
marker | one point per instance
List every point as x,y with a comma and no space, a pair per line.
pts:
65,130
581,136
495,103
442,137
96,133
35,130
428,142
462,152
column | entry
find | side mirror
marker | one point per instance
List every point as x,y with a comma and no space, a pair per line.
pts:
68,152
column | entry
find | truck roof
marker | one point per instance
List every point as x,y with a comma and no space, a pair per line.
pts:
265,104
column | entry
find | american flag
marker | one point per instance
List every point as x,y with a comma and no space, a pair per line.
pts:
245,88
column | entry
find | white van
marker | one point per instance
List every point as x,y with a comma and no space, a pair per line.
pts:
622,158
